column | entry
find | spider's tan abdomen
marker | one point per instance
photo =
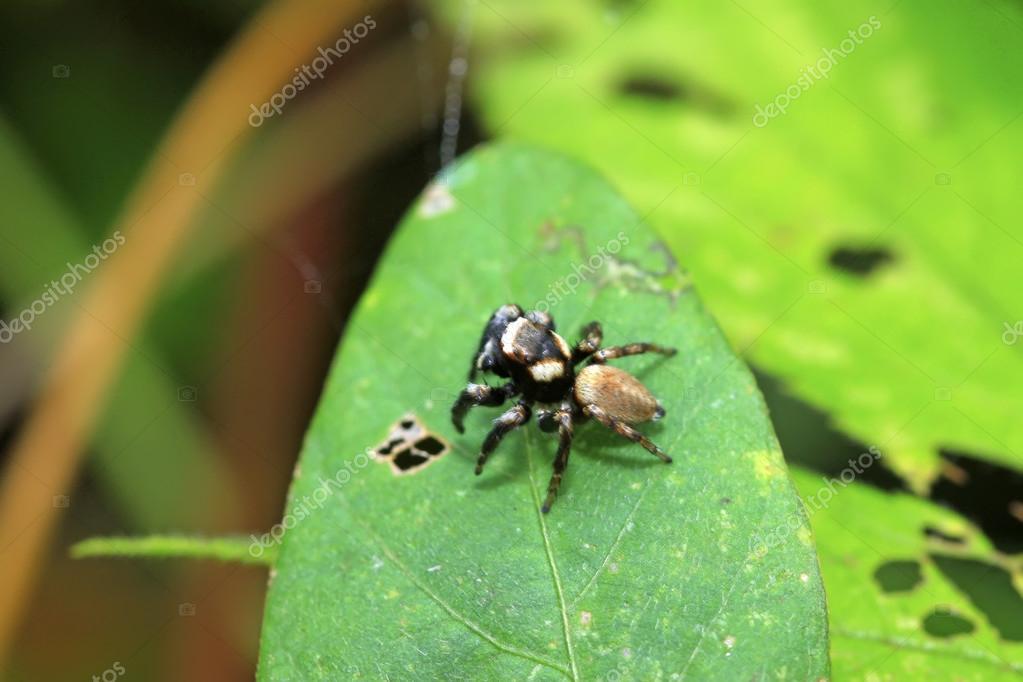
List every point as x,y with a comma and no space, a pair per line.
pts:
617,393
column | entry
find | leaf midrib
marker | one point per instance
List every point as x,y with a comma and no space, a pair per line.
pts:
549,550
447,608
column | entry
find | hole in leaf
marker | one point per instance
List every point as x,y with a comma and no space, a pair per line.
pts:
659,88
410,446
943,623
898,576
386,450
808,438
860,261
406,459
990,589
933,532
651,87
985,493
430,445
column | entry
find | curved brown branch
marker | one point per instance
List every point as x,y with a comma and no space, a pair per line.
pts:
156,222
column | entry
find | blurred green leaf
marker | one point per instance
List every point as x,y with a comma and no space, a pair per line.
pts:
865,245
234,550
150,452
892,590
639,570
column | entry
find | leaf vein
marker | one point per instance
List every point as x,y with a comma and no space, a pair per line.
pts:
436,598
931,648
551,562
614,546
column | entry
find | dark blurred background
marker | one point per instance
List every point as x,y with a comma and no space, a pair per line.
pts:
204,427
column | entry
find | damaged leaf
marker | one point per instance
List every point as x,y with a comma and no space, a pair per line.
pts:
642,570
909,601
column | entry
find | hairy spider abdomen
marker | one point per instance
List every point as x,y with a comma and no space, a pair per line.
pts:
619,394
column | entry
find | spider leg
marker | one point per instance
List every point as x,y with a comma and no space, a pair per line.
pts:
563,417
512,419
624,430
479,394
592,336
612,352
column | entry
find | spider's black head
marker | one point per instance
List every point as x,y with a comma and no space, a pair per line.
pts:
523,346
538,360
488,356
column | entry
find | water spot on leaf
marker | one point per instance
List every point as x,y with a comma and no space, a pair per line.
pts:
898,576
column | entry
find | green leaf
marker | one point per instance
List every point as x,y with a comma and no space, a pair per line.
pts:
640,569
909,150
239,550
904,606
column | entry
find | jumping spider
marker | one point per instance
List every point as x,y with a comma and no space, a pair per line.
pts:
541,367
